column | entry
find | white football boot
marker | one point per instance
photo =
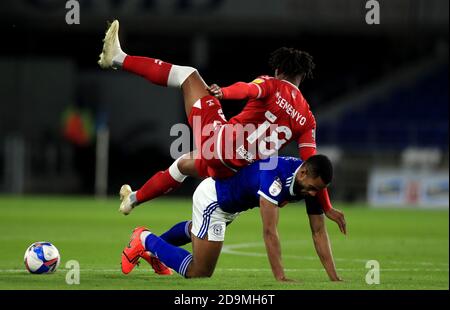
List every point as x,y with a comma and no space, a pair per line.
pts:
126,206
112,55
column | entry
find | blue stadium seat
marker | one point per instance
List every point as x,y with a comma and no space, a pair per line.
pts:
416,114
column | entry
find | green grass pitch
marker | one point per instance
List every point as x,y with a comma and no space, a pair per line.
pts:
411,246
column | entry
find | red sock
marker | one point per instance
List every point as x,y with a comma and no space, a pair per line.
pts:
324,200
159,184
153,70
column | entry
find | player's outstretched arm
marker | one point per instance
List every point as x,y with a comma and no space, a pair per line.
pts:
322,245
237,91
269,215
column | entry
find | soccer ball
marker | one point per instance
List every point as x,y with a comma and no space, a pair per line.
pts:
42,257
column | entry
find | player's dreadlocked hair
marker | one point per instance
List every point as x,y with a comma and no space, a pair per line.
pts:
320,166
292,62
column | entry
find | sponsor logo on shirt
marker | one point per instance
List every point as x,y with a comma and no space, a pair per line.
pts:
247,155
276,187
258,81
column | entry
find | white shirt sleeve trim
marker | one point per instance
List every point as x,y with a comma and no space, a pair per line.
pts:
259,91
268,198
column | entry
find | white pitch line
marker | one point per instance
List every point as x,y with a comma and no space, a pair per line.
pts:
242,270
231,249
338,269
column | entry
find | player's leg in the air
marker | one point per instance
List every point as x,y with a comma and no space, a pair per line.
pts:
159,184
208,113
154,70
191,164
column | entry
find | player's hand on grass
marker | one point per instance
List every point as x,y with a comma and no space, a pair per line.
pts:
284,279
338,217
215,91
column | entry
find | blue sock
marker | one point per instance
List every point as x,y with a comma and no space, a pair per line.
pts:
174,257
178,235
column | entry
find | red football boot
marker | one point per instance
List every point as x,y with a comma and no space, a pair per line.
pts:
157,265
133,251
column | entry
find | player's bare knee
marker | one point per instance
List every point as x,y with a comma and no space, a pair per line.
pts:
186,165
183,165
182,75
199,274
179,75
192,74
194,270
193,88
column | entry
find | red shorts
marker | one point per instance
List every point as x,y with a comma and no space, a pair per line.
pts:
206,120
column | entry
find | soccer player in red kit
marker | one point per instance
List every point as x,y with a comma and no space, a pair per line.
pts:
276,111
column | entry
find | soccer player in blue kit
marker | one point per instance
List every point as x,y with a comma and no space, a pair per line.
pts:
216,203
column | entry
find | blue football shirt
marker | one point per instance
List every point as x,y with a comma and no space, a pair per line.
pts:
243,190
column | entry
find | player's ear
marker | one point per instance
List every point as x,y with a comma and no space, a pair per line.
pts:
303,172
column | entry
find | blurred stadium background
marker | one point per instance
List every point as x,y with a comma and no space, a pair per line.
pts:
380,92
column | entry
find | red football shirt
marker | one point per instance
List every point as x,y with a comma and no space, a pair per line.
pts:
275,114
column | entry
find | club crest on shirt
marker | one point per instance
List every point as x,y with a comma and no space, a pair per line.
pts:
276,187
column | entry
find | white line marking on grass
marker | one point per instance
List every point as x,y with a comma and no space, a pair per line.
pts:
233,250
239,270
338,269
